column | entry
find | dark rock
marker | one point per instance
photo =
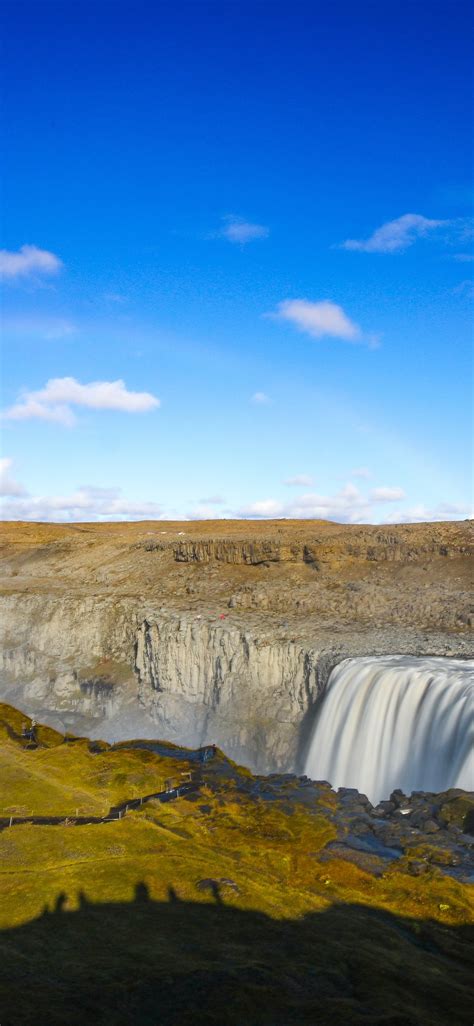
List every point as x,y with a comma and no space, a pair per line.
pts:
417,868
419,817
430,827
398,798
351,799
384,808
367,861
469,822
369,843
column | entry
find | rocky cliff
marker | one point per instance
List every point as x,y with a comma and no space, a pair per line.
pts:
218,632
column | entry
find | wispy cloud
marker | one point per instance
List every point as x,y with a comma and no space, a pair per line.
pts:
204,512
464,258
8,485
264,508
212,500
348,505
426,514
464,288
300,480
28,261
237,230
49,328
318,319
260,399
87,503
55,400
384,494
395,236
362,472
115,297
96,503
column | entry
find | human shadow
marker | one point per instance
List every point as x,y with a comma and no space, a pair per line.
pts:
185,963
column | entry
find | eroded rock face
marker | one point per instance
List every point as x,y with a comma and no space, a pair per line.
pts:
225,635
248,553
105,668
67,656
200,681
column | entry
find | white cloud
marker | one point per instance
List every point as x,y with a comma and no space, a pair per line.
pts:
55,400
30,409
424,514
260,399
347,506
28,261
87,503
240,231
464,258
95,503
300,480
395,235
318,319
387,494
266,508
203,512
8,485
362,472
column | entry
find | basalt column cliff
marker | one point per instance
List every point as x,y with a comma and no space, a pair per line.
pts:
221,631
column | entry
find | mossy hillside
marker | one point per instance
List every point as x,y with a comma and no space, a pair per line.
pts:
273,851
225,907
12,722
136,934
68,777
175,846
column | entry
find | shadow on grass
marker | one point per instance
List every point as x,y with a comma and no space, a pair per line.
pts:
179,963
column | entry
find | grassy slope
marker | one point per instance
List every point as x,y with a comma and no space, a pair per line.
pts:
61,778
269,852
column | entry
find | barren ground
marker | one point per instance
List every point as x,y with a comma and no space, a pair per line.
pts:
313,573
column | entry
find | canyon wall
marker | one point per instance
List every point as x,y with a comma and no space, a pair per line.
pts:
116,631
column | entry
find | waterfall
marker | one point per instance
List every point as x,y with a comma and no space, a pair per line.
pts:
396,722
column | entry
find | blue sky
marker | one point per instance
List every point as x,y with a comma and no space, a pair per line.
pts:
258,218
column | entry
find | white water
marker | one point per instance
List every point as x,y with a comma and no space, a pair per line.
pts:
396,721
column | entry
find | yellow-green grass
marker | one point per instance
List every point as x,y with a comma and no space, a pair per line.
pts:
271,852
66,779
110,922
273,859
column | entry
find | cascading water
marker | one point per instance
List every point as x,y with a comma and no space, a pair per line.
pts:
396,722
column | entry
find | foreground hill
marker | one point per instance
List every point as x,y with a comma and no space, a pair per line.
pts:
249,900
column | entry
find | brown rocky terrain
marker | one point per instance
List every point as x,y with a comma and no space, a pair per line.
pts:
341,573
222,630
